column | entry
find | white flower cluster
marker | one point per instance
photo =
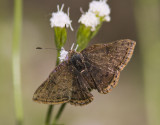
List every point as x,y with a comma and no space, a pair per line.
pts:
96,10
63,54
89,19
60,19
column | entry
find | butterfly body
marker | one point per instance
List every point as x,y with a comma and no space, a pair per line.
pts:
96,67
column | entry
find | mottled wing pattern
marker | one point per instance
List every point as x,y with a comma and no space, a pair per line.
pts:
105,61
80,92
65,84
57,88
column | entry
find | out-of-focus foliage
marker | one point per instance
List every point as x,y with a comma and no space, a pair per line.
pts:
147,13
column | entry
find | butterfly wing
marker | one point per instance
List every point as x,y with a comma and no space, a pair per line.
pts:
57,88
105,61
65,84
80,92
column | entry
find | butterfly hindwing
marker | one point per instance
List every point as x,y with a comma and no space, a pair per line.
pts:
57,88
80,88
105,61
80,91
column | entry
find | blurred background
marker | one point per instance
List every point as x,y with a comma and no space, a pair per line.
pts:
135,100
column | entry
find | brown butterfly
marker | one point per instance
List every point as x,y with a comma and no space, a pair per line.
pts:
96,67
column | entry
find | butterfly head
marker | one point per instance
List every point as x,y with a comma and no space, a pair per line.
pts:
71,53
66,55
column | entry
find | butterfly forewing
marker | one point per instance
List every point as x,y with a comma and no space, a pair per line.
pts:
105,61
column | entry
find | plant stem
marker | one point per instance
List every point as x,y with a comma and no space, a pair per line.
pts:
59,113
148,21
16,61
49,114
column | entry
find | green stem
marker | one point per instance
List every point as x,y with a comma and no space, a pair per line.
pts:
59,113
148,22
49,114
16,61
58,55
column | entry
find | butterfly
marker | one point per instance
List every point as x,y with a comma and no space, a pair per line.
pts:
96,67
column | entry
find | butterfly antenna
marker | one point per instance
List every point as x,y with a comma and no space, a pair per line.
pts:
47,48
81,10
76,47
38,47
72,46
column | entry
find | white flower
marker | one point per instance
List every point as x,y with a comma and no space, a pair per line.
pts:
63,55
89,19
108,18
60,19
100,8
